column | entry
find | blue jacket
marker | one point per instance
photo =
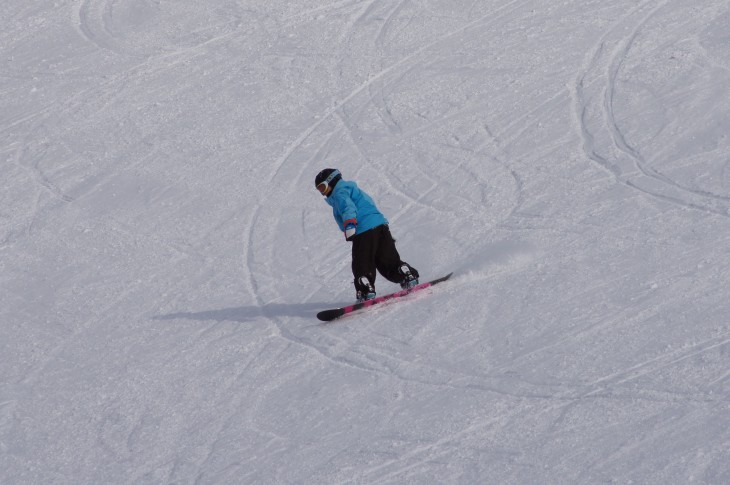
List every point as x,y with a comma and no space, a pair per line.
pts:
349,202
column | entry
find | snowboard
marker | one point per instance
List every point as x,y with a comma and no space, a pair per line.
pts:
327,315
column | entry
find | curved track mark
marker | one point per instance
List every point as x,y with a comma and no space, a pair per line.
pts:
594,96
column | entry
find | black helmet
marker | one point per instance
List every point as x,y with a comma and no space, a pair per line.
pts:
326,180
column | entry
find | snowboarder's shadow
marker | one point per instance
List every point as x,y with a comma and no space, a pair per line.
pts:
245,314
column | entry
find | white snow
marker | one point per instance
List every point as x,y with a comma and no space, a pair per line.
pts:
163,252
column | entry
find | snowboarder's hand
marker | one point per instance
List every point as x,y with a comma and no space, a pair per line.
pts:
350,229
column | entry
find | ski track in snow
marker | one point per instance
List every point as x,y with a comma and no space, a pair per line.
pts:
94,17
599,95
492,17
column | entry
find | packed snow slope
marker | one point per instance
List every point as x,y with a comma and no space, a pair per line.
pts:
163,251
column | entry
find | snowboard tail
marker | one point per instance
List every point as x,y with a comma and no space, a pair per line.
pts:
327,315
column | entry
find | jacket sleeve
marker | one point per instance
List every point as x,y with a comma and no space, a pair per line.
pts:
345,209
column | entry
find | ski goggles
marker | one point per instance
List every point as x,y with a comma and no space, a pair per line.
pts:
324,186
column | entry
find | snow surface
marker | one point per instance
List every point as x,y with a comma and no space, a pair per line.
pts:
163,251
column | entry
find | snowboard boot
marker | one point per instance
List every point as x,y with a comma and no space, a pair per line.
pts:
365,290
409,278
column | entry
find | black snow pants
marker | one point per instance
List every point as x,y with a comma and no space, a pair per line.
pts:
375,250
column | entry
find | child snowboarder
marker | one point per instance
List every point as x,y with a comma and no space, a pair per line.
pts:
364,225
